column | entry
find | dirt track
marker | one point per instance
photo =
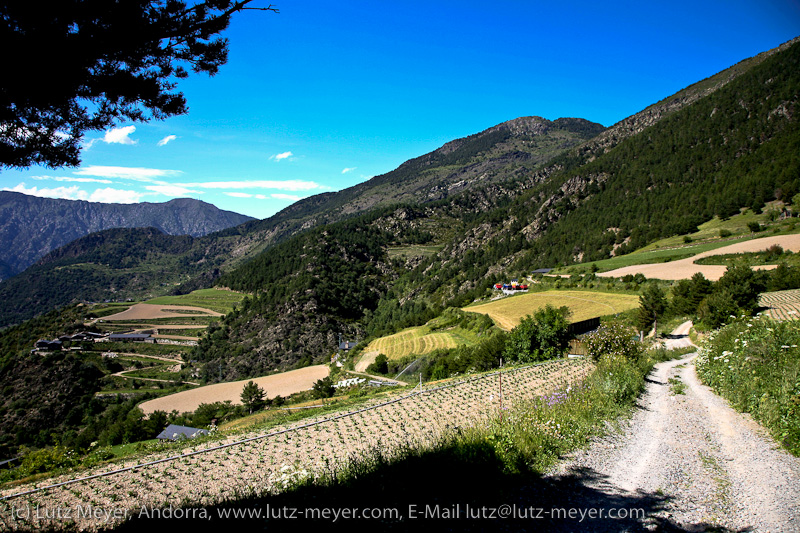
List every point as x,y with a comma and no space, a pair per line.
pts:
693,462
282,384
367,359
685,268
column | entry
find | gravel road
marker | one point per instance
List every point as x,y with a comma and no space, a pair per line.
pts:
689,460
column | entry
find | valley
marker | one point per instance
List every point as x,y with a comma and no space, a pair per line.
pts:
472,273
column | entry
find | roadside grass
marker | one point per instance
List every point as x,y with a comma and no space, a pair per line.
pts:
676,386
508,312
219,300
755,365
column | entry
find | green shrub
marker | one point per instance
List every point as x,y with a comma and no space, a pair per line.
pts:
755,227
755,365
545,335
46,460
380,366
613,340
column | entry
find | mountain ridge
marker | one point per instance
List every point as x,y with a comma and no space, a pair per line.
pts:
32,226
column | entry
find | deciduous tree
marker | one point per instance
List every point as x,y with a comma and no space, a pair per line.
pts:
545,335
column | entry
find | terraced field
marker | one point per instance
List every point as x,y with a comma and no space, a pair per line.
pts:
508,312
418,340
265,462
781,305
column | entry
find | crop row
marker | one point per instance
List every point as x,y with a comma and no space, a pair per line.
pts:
782,305
408,342
260,464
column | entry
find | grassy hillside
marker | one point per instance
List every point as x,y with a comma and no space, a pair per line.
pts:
219,300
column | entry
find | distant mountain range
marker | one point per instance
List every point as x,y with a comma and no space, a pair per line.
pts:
30,226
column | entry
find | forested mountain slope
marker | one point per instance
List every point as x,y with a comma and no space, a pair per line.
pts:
707,153
497,154
500,154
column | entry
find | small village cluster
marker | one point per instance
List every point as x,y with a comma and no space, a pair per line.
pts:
511,288
75,342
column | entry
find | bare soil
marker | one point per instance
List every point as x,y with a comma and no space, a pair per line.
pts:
283,384
367,359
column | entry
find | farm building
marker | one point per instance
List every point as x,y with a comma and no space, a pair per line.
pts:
513,286
87,336
54,345
131,337
175,432
347,345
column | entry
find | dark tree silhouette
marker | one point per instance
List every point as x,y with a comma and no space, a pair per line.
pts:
72,66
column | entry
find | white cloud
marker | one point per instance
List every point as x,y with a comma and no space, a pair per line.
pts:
120,135
167,139
292,197
172,190
282,185
238,194
68,193
284,155
106,195
148,175
348,169
114,196
71,180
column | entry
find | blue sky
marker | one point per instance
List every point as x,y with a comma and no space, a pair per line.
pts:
325,95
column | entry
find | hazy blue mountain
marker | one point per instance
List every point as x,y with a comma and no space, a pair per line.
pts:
30,226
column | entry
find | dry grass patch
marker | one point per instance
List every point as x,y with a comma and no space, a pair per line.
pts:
508,312
417,340
781,305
